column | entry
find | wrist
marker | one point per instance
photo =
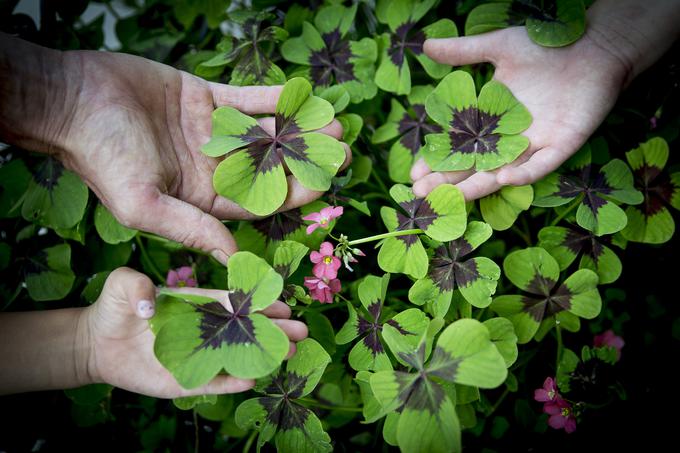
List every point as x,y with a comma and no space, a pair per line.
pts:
39,88
633,34
84,354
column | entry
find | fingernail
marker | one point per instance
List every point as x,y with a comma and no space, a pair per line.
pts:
220,256
145,308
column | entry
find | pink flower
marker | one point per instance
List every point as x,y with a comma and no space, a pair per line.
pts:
325,264
181,277
609,339
561,415
548,393
323,217
322,289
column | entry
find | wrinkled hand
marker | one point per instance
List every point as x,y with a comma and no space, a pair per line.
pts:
120,341
568,92
135,138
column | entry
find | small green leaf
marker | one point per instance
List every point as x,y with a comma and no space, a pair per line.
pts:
109,229
55,197
48,273
501,209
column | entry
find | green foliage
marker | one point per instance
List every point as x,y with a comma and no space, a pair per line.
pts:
419,358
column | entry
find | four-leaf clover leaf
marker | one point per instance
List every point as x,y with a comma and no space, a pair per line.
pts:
252,174
479,132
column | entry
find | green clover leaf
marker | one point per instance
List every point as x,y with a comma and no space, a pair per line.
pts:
369,353
536,272
404,40
479,132
426,419
552,24
596,192
410,127
252,173
651,222
278,415
197,337
328,59
441,215
48,273
450,268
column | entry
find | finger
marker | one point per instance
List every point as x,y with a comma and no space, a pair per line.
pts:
541,163
426,184
296,330
292,349
464,50
420,169
179,221
479,185
136,289
334,129
277,310
249,99
221,384
298,195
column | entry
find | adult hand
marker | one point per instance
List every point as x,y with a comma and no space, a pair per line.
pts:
135,138
120,342
568,90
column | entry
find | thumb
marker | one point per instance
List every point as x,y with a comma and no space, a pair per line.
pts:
464,50
134,291
185,223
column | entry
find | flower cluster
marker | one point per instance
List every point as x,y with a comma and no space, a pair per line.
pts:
181,277
327,260
609,339
560,410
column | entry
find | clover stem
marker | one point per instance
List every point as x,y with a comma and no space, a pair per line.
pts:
152,265
331,407
571,207
560,346
249,442
197,433
391,234
380,182
498,401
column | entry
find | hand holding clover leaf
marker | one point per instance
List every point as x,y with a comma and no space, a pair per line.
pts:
568,91
120,340
252,173
133,128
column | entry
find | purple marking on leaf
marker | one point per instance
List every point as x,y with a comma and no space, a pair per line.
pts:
220,326
425,395
466,273
48,173
264,154
285,413
374,309
420,214
285,125
278,226
540,285
446,269
443,365
401,40
296,148
472,131
414,359
541,308
569,186
594,202
372,342
36,263
582,240
332,62
656,187
397,326
295,384
413,130
406,223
